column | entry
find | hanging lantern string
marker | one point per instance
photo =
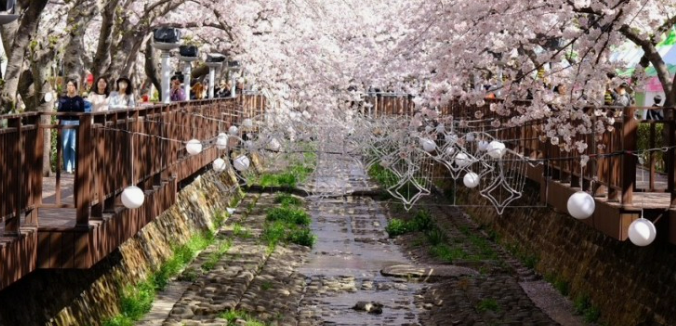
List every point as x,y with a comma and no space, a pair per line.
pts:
564,158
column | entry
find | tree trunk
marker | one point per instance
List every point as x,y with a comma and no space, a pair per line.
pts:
151,64
42,59
20,42
79,17
101,60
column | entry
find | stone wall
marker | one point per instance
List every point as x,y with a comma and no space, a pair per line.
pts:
88,297
630,285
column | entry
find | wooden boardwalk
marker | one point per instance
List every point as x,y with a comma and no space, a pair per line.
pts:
77,221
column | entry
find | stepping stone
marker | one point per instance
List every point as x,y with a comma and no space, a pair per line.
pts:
428,273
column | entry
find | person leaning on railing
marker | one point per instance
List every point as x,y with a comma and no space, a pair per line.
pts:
70,103
99,96
123,97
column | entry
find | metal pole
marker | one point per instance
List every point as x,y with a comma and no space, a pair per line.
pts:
212,78
233,90
166,77
187,79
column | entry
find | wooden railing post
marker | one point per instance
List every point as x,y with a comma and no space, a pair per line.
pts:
83,167
36,171
670,126
12,223
629,134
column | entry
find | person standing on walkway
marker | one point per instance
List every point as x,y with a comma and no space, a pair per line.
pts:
656,114
99,96
70,103
177,93
123,98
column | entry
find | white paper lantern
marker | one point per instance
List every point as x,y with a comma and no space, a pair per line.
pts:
462,160
249,145
222,141
274,145
48,97
581,205
194,146
483,145
427,144
450,150
496,149
451,138
247,123
471,180
242,163
642,232
233,130
133,197
219,165
470,137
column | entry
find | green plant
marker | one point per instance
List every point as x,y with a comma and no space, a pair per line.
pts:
233,316
288,200
288,214
488,305
397,227
562,286
241,232
592,315
267,285
422,221
448,253
581,304
435,236
274,232
303,237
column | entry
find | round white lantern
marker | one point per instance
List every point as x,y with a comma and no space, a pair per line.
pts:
249,145
274,145
496,149
233,130
194,146
427,144
470,137
451,138
247,123
471,180
581,205
222,141
642,232
48,97
462,160
483,145
133,197
450,150
219,165
242,163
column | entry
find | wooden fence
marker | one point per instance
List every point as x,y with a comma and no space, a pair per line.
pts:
143,146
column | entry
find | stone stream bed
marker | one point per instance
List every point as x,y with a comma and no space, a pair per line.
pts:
354,275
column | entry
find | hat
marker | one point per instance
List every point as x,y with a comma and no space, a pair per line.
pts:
657,99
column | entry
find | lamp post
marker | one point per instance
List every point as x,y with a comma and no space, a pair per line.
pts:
233,68
214,60
188,54
166,39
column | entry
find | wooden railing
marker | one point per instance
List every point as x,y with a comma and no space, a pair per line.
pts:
21,167
613,164
104,159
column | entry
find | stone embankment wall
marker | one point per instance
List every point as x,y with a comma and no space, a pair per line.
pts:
88,297
629,285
